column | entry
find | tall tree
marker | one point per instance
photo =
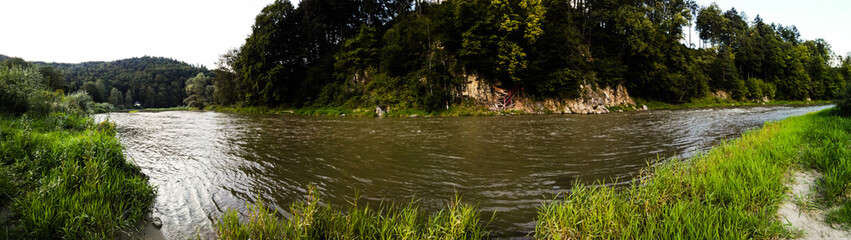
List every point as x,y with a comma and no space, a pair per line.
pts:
116,98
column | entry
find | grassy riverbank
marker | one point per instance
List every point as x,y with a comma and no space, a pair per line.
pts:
64,176
710,102
311,220
731,192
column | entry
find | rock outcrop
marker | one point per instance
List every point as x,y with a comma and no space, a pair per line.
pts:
592,99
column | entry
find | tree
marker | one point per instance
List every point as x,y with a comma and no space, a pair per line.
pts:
116,98
711,24
128,98
92,89
198,91
101,91
53,78
16,62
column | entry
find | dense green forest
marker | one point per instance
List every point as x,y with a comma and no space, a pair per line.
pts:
414,54
152,81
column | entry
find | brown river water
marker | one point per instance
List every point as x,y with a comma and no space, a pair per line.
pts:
204,163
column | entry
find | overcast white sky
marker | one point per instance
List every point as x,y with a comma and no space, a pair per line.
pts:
193,31
198,31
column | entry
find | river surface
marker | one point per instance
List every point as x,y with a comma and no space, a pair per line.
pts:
206,162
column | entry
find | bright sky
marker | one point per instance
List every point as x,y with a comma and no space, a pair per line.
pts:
827,19
193,31
198,31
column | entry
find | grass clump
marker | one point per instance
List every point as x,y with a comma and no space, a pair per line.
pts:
312,220
70,179
730,192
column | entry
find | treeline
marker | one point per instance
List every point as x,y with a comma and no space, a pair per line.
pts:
417,54
152,81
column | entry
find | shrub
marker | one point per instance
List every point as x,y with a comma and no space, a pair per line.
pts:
80,102
22,90
843,103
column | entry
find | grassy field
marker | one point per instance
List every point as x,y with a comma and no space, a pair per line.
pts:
64,176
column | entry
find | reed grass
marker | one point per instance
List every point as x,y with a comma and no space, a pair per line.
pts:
312,220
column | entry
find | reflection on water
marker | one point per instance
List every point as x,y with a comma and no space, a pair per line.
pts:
205,162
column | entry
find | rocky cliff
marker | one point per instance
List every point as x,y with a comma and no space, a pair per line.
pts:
592,99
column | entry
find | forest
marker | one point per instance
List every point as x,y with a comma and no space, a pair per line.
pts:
154,82
417,54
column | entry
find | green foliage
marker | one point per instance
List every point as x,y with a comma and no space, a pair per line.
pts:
71,179
311,220
116,98
199,91
843,103
328,53
66,176
53,78
22,90
153,81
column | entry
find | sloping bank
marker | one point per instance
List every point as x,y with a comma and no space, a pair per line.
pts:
65,177
731,192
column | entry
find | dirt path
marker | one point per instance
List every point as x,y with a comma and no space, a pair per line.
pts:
808,219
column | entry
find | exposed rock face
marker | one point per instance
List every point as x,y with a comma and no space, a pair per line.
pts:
720,94
479,89
380,110
592,99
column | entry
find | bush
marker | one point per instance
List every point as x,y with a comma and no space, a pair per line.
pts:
22,90
843,103
103,107
80,102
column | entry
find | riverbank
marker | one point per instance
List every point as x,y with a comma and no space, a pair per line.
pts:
312,220
64,176
711,102
731,192
469,109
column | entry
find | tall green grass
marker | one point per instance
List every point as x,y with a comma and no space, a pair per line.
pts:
829,152
69,179
312,220
731,192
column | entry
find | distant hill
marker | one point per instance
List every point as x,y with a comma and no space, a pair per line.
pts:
4,57
152,81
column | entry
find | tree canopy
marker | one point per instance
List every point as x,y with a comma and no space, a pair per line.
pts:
152,81
417,54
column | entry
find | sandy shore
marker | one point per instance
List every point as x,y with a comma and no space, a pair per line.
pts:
797,210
